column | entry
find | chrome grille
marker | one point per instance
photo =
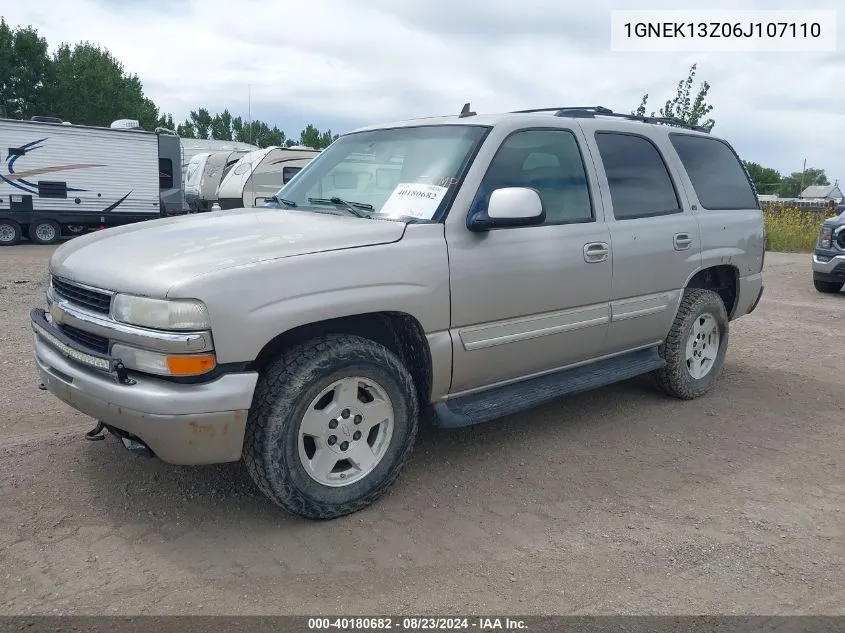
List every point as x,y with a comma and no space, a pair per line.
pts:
94,300
91,341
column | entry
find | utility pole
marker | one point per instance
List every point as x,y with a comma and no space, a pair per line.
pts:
803,171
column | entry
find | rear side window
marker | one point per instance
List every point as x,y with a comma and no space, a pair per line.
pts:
719,180
640,185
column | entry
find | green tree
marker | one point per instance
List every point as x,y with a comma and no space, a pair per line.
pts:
86,85
276,137
166,121
201,121
23,71
326,139
791,186
766,180
186,130
684,106
238,133
258,133
310,137
221,126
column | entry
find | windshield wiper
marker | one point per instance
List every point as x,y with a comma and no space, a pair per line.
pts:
287,203
352,207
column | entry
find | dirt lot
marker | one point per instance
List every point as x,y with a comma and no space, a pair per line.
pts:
616,501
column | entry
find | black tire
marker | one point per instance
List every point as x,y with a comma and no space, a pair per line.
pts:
10,232
675,379
285,390
827,287
35,226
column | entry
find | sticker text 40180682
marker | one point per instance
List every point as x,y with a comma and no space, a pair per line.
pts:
414,199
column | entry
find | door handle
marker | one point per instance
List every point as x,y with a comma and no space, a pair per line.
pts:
595,252
682,241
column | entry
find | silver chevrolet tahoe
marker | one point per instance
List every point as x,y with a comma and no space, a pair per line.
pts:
451,270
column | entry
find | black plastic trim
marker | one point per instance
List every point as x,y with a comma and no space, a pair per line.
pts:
513,398
39,317
214,374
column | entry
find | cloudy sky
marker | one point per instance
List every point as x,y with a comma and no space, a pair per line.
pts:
341,63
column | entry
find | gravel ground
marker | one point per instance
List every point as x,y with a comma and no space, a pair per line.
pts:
615,501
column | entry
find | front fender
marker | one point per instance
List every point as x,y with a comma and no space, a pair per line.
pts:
251,305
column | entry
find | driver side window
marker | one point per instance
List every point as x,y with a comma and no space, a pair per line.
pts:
548,161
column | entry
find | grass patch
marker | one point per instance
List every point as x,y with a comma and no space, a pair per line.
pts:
791,230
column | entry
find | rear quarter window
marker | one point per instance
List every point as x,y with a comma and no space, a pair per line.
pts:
719,180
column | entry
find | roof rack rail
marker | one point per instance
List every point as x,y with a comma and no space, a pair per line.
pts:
559,108
602,111
592,111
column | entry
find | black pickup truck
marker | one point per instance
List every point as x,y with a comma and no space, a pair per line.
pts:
829,255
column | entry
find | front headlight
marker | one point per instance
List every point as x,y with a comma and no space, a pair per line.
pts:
824,237
161,314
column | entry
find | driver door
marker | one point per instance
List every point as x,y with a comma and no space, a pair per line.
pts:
529,300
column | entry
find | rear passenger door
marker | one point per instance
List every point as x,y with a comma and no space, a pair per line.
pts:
654,236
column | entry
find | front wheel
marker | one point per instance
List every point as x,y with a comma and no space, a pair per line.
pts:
332,423
695,348
827,287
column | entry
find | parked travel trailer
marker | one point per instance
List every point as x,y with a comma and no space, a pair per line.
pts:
203,177
259,175
60,179
193,146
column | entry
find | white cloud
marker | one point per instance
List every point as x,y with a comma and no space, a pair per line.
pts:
357,61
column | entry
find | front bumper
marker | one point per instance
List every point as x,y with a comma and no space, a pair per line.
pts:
829,268
186,424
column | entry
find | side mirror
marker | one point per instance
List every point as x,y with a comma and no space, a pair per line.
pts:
511,207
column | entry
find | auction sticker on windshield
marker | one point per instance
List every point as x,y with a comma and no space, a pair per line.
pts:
414,199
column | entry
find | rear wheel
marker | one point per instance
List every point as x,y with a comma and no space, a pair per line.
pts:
332,423
44,232
827,287
10,232
695,348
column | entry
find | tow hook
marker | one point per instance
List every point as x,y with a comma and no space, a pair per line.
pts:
96,434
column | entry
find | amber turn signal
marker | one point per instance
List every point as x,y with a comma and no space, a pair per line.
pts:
191,365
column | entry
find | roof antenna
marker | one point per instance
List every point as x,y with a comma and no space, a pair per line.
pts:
465,111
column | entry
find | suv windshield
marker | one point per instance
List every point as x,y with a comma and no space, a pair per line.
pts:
398,173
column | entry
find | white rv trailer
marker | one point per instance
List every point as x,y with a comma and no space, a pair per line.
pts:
193,146
259,175
192,177
204,175
59,179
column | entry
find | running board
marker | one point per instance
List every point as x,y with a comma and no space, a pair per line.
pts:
517,397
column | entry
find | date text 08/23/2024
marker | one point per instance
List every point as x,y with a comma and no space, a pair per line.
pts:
416,623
